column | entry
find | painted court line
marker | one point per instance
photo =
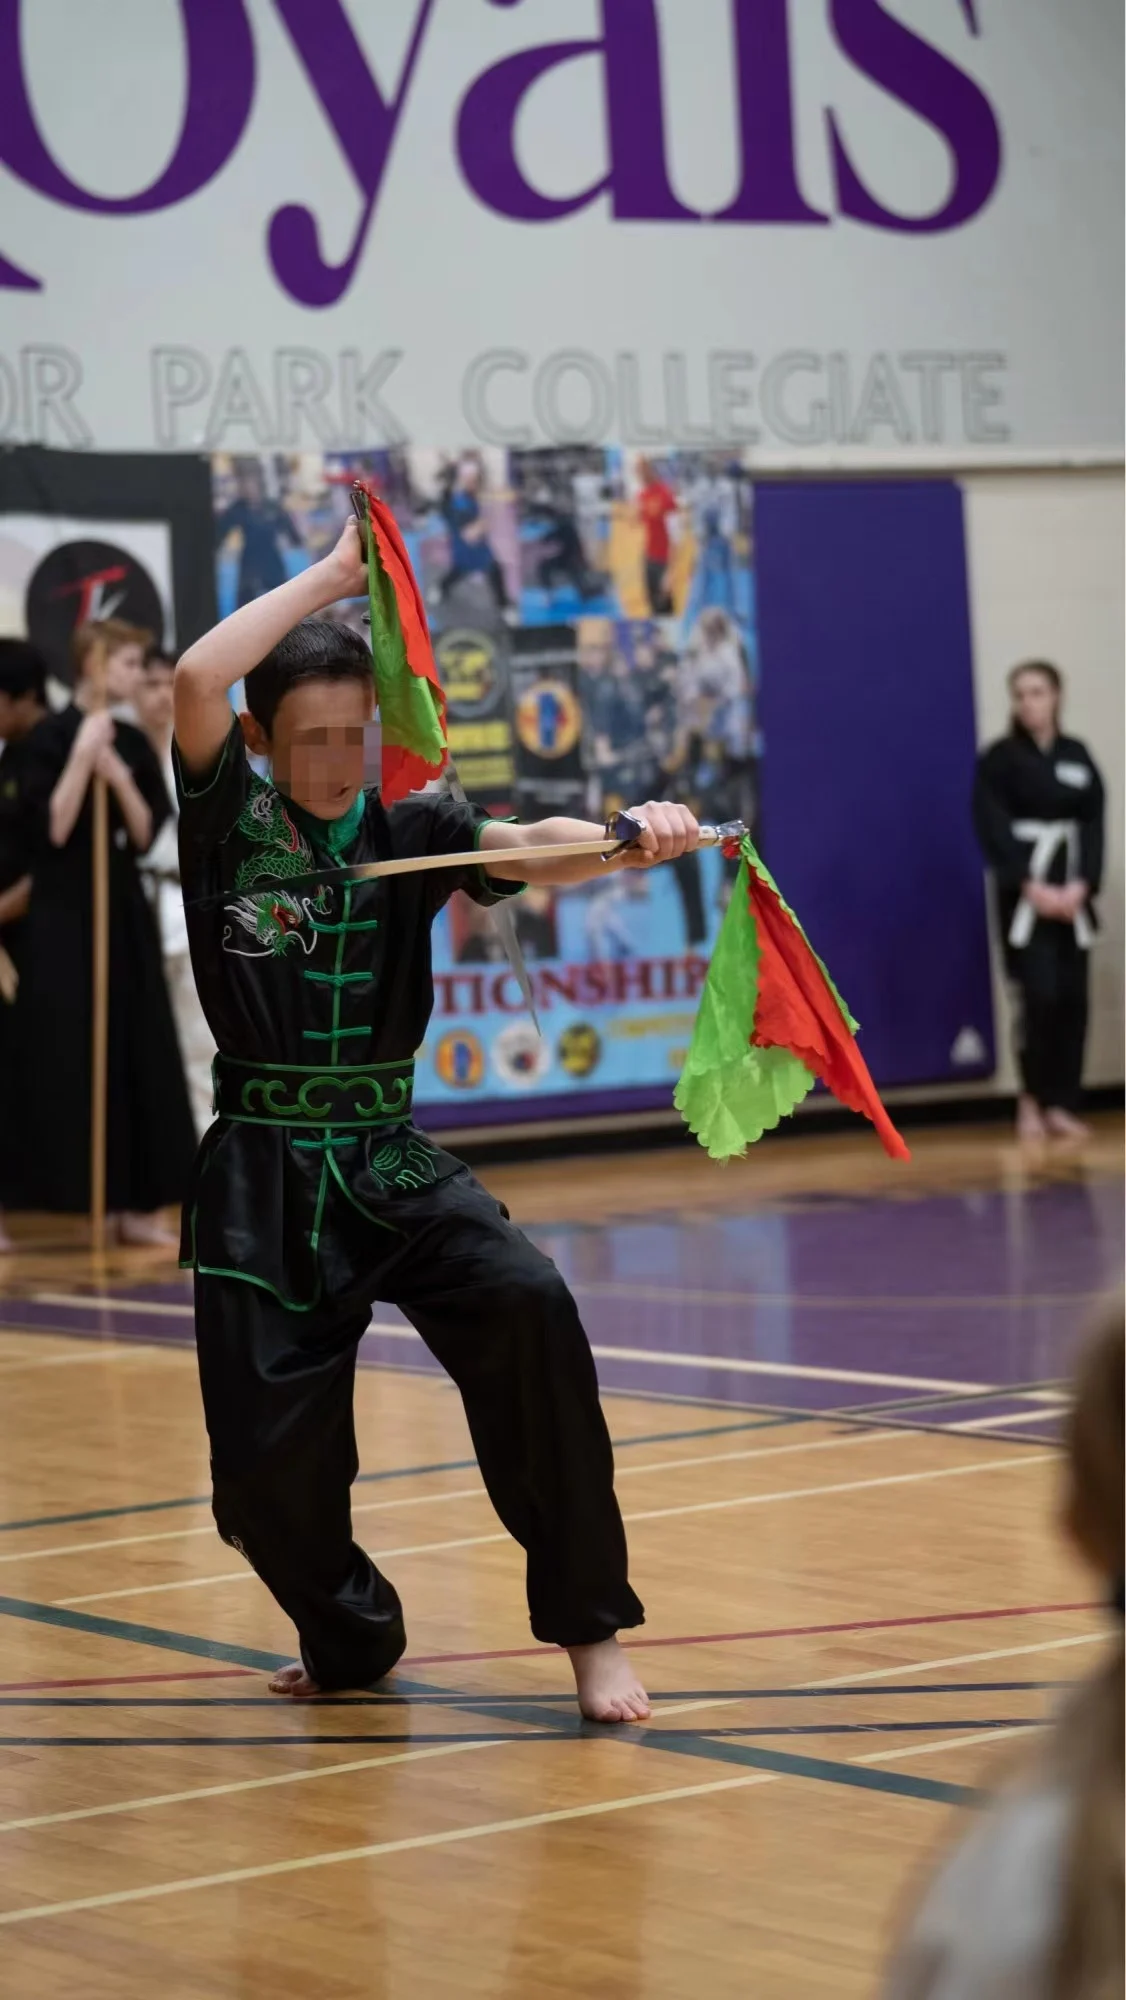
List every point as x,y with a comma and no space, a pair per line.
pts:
147,1802
438,1699
887,1673
776,1768
111,1302
543,1731
764,1632
1047,1415
949,1743
467,1493
110,1352
153,1799
650,1514
659,1357
832,1302
775,1421
378,1848
127,1680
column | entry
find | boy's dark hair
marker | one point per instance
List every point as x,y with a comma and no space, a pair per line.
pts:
316,650
157,655
22,670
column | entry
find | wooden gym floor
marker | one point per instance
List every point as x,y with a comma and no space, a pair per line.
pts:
835,1388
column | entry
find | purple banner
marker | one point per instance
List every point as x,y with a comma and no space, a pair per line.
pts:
868,718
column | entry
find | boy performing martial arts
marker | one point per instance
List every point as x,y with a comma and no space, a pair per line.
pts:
313,1193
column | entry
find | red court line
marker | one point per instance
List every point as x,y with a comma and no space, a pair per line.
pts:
774,1632
531,1652
128,1680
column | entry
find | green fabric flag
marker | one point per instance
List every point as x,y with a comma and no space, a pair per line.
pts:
729,1093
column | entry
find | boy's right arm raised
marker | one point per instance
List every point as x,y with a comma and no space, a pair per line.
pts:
208,670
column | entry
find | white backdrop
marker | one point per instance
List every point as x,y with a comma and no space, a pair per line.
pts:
923,255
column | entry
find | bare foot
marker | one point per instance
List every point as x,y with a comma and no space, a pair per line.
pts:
1031,1128
1064,1125
293,1681
145,1232
608,1688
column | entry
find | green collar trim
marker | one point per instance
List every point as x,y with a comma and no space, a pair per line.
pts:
334,835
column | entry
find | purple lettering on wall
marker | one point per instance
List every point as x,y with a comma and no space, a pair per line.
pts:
924,80
365,123
768,190
220,86
637,178
219,56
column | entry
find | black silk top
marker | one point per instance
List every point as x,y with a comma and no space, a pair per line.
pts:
318,997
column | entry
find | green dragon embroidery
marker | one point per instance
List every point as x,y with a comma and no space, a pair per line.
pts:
403,1163
272,917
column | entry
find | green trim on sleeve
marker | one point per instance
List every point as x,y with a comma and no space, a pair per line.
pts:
188,791
493,884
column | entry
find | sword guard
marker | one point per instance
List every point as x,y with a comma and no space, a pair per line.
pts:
625,828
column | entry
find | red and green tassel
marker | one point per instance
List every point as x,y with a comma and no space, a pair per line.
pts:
412,702
771,1024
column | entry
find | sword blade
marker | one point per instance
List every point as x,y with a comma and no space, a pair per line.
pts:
471,857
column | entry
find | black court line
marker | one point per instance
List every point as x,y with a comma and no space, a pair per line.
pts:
458,1700
563,1731
866,1778
719,1750
764,1423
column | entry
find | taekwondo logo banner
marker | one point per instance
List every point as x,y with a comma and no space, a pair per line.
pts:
797,224
56,572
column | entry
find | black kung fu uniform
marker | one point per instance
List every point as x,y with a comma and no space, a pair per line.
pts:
150,1134
314,1195
1039,816
15,862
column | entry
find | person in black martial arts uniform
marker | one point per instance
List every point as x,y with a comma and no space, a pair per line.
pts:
23,703
314,1194
151,1136
1038,810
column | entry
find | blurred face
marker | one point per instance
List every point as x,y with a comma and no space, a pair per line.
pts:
124,669
1035,703
317,746
153,699
18,714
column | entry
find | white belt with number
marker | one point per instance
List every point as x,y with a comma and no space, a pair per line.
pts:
1047,837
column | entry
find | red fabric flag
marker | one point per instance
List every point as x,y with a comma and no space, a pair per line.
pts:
797,1010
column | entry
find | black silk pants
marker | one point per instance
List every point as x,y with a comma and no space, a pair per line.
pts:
277,1393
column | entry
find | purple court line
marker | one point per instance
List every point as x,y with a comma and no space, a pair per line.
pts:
774,1632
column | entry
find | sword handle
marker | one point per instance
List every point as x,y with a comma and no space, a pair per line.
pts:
625,828
718,836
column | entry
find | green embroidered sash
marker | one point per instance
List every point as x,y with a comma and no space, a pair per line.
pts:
354,1095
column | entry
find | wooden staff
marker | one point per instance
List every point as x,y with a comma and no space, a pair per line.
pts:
99,1041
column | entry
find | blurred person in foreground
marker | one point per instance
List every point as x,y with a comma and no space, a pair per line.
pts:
1039,811
160,868
150,1139
23,703
1029,1906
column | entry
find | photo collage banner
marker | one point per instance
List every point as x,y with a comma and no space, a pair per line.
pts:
593,618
